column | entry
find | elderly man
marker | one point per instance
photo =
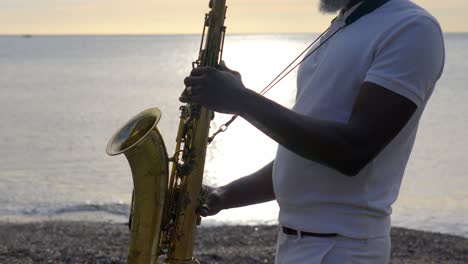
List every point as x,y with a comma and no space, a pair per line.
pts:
344,146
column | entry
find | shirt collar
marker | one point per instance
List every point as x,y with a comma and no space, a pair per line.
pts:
352,6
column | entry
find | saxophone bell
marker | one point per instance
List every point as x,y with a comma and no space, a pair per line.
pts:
143,146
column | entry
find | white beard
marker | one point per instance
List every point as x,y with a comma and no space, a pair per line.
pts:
332,6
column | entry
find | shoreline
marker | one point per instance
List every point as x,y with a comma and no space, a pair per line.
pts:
100,242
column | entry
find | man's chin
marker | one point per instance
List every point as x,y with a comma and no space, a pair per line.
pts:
332,6
327,11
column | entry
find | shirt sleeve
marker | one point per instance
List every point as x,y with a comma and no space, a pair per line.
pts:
409,60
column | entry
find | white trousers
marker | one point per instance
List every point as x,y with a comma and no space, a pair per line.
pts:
292,249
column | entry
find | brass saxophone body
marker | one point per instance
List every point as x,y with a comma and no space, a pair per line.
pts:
163,216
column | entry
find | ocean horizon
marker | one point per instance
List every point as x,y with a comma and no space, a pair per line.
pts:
63,96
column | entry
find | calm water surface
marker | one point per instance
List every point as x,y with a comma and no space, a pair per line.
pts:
62,97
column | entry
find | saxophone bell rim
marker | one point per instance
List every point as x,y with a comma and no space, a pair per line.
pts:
120,142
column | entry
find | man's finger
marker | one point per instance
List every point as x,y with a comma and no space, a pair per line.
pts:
192,90
201,70
204,211
196,99
222,66
192,80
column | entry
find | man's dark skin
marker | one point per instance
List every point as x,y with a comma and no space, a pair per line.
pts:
377,117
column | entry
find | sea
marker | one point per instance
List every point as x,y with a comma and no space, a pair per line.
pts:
62,98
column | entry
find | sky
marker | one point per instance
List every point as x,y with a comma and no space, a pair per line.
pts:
185,16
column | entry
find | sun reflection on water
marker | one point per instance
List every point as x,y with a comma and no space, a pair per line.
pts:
243,149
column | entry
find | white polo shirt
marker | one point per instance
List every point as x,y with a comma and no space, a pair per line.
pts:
398,46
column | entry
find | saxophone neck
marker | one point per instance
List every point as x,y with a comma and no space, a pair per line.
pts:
211,48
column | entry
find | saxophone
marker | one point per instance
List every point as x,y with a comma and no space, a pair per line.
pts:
163,215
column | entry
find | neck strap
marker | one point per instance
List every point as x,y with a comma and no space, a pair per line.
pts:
365,8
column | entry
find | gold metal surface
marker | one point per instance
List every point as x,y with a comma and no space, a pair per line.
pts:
163,213
144,149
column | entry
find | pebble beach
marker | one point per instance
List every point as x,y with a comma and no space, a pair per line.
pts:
94,242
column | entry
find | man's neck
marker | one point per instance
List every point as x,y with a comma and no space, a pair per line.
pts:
351,4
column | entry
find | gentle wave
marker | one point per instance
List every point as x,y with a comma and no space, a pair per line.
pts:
112,208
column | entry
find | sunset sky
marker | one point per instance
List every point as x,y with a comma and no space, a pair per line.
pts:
185,16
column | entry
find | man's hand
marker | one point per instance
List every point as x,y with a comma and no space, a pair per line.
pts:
219,89
213,201
252,189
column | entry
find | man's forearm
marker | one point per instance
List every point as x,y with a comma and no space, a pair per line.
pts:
378,115
252,189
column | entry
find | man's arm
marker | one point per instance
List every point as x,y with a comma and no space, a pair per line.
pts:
251,189
377,117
